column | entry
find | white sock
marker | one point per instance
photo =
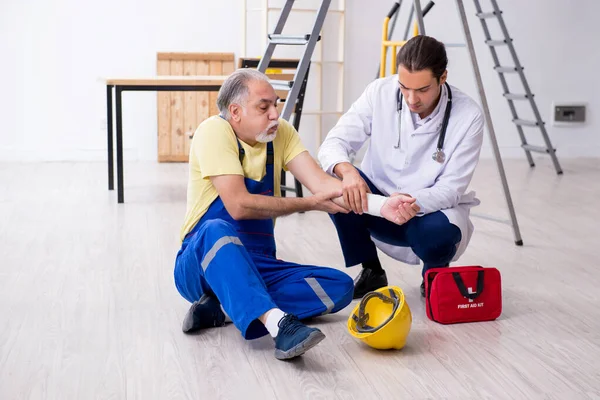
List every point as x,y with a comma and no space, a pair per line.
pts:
227,319
273,320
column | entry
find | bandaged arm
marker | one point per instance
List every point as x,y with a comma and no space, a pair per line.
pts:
375,203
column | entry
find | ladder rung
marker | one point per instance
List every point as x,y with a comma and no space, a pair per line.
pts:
492,43
485,15
537,149
505,70
524,122
513,96
290,39
281,85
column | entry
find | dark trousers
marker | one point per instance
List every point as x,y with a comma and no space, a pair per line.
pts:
432,237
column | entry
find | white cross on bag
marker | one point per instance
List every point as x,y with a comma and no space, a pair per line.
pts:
471,292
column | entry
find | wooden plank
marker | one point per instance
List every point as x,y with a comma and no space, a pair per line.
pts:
203,80
177,127
196,56
164,113
202,98
187,108
228,68
281,77
214,68
189,114
175,158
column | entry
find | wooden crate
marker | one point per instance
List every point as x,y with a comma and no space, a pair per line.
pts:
180,113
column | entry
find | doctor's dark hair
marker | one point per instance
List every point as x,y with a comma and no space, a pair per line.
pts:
423,52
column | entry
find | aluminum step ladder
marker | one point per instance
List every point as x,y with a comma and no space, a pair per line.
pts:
309,40
512,97
297,86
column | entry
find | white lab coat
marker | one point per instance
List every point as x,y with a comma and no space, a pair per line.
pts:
410,168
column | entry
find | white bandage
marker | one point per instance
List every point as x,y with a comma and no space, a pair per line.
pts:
375,203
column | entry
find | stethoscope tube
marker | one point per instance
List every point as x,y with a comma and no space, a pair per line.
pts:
439,155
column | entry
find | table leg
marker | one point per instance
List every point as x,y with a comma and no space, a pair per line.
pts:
120,195
109,137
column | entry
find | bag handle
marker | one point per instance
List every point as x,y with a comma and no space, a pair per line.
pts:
463,290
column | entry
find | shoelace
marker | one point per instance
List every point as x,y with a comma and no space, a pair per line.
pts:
289,324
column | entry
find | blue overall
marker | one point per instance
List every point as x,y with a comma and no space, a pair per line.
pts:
432,237
236,262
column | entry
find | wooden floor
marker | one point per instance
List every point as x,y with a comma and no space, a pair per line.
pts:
88,308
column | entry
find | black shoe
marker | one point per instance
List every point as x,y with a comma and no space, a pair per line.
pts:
423,289
367,281
295,338
204,313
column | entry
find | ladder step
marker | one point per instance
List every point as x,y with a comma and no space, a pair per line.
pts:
513,96
281,85
537,149
507,70
485,15
493,43
290,39
524,122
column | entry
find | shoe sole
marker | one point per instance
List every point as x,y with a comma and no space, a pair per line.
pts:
188,322
311,341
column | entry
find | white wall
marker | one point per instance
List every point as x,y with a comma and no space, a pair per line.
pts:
55,52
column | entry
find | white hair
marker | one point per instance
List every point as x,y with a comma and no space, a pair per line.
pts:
235,88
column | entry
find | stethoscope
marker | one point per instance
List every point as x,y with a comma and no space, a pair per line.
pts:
439,154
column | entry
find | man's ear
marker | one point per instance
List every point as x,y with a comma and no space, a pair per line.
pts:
444,77
235,110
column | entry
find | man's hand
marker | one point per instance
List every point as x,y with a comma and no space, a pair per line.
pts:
354,187
324,201
399,208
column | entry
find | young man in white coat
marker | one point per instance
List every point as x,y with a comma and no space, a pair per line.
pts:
409,155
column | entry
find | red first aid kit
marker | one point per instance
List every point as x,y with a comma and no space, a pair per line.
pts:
463,294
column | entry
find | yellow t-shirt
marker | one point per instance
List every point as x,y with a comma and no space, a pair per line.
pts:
214,151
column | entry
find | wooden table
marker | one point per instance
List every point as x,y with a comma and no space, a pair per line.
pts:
155,84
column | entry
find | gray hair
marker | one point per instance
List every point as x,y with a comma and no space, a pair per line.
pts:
235,88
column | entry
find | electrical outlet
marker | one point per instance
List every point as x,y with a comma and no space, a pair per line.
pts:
568,114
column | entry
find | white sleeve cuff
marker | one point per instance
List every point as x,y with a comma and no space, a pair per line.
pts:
375,202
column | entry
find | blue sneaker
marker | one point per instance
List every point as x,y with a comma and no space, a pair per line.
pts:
204,313
295,338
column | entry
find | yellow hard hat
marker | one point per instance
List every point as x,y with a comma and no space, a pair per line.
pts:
382,319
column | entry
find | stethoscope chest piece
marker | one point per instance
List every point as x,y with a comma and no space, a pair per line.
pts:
439,156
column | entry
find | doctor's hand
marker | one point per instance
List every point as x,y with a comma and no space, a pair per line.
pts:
355,191
399,208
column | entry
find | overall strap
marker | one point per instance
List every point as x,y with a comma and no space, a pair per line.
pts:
270,159
270,152
241,150
270,176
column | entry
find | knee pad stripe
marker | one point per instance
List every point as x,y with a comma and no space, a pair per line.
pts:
321,294
212,253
